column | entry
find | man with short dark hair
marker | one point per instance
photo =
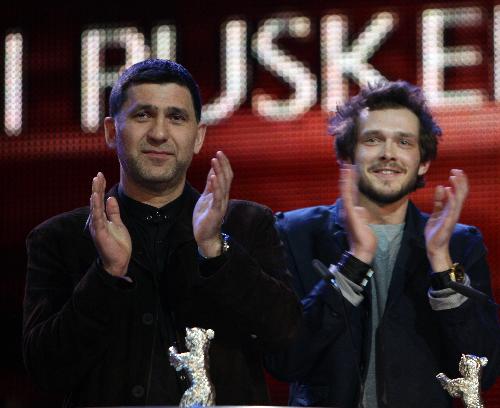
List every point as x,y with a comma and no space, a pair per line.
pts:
111,287
392,324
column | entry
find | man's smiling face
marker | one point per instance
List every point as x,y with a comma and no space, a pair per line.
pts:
387,154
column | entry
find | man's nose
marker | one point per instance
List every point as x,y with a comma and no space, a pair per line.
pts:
158,131
388,150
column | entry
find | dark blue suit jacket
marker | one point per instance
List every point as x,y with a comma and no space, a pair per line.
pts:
326,364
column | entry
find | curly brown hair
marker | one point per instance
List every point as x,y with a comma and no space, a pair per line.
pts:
384,95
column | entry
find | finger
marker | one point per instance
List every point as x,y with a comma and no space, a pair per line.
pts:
103,182
90,220
222,180
97,214
226,166
361,213
348,177
453,203
354,184
460,183
95,184
99,184
346,186
113,211
439,195
452,209
98,188
218,193
208,185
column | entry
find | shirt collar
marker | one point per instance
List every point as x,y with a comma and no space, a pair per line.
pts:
148,213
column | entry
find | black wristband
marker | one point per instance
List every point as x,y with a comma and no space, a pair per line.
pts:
441,280
352,268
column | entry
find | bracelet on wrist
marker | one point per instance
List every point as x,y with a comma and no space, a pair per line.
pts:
354,269
224,246
441,280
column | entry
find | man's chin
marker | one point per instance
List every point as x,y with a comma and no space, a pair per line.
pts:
158,182
384,197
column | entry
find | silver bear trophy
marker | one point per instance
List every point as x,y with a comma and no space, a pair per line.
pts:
196,363
469,386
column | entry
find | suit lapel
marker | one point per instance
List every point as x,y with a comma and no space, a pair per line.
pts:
327,245
411,254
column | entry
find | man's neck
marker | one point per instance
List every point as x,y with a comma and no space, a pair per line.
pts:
156,198
393,213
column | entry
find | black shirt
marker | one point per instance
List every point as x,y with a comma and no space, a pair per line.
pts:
149,229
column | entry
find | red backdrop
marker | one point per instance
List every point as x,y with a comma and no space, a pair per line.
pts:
47,168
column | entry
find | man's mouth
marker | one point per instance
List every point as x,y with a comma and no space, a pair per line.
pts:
161,154
387,172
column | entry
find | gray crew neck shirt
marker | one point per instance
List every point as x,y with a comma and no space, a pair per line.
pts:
388,243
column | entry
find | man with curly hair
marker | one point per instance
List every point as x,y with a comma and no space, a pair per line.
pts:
392,324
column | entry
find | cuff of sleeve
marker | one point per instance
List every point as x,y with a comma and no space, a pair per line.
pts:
445,299
209,266
99,295
114,282
353,268
350,290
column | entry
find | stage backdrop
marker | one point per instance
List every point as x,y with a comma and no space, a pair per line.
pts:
270,72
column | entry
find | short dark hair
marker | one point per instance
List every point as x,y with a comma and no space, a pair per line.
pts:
384,95
153,71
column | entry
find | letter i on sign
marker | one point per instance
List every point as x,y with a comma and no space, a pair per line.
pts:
13,84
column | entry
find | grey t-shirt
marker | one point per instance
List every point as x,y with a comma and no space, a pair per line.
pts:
388,244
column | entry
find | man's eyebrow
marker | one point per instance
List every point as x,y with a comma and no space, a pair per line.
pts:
176,110
407,135
371,132
374,132
170,110
142,106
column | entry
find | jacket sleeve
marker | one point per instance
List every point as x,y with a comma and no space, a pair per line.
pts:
472,328
324,311
67,321
252,285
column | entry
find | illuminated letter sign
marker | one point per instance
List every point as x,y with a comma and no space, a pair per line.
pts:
294,72
13,84
233,73
339,60
436,57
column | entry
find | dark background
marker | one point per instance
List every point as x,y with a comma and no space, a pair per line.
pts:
48,167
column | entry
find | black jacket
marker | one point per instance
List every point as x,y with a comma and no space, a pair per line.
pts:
91,335
413,342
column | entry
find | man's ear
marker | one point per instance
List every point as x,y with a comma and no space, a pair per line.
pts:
423,168
110,132
200,137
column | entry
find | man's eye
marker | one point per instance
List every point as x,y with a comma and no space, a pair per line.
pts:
405,142
371,140
177,117
141,115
